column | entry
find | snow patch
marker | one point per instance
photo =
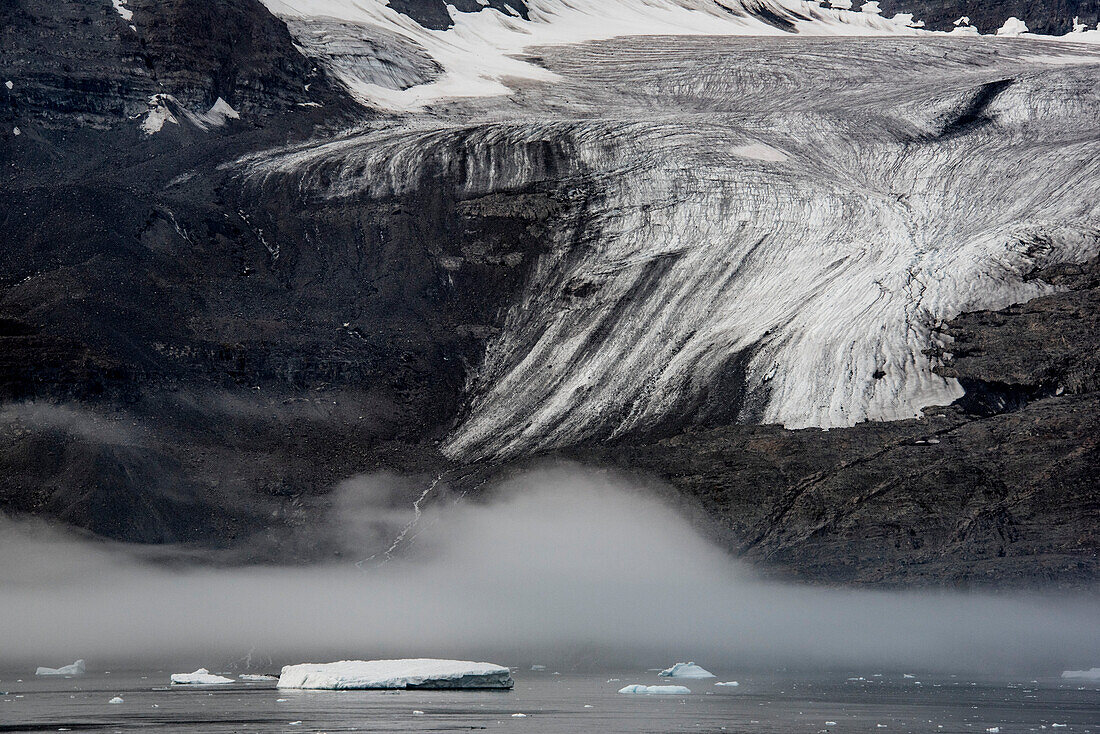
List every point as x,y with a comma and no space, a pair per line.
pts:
406,673
760,152
122,10
201,677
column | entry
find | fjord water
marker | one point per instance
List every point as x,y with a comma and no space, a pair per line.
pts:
767,703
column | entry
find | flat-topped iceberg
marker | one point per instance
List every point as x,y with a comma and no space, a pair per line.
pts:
201,677
1090,674
686,670
410,673
655,690
76,668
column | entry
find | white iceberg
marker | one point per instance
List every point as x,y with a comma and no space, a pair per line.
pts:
686,670
411,673
76,668
116,699
1013,28
201,677
655,690
730,683
1090,674
257,676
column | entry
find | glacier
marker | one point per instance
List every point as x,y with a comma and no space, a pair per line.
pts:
765,230
404,673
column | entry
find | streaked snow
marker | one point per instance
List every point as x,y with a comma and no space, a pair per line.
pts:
803,287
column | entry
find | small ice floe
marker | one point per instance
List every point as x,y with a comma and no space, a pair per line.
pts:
201,677
685,670
519,716
408,673
538,667
76,668
116,699
994,730
655,690
1090,674
830,723
729,683
417,712
257,676
8,84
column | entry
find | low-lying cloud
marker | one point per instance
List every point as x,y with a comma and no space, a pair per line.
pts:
563,567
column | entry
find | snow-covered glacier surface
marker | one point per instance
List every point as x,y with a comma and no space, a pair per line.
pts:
411,673
771,229
380,54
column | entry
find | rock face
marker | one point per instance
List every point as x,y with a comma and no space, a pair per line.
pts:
204,329
1052,17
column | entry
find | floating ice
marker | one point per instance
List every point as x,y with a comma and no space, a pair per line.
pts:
686,670
201,677
519,716
1090,674
409,673
76,668
729,683
655,690
257,676
8,84
116,699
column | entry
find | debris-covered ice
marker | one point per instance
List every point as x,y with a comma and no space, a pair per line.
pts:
408,673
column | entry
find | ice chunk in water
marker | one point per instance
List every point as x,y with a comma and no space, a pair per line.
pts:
655,690
686,670
201,677
411,673
76,668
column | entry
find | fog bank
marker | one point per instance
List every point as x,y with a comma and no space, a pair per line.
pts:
563,567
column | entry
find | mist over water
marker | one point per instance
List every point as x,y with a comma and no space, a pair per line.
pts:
564,567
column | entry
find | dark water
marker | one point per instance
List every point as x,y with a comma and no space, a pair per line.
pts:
780,704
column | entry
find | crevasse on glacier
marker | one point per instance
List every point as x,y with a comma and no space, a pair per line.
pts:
774,227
